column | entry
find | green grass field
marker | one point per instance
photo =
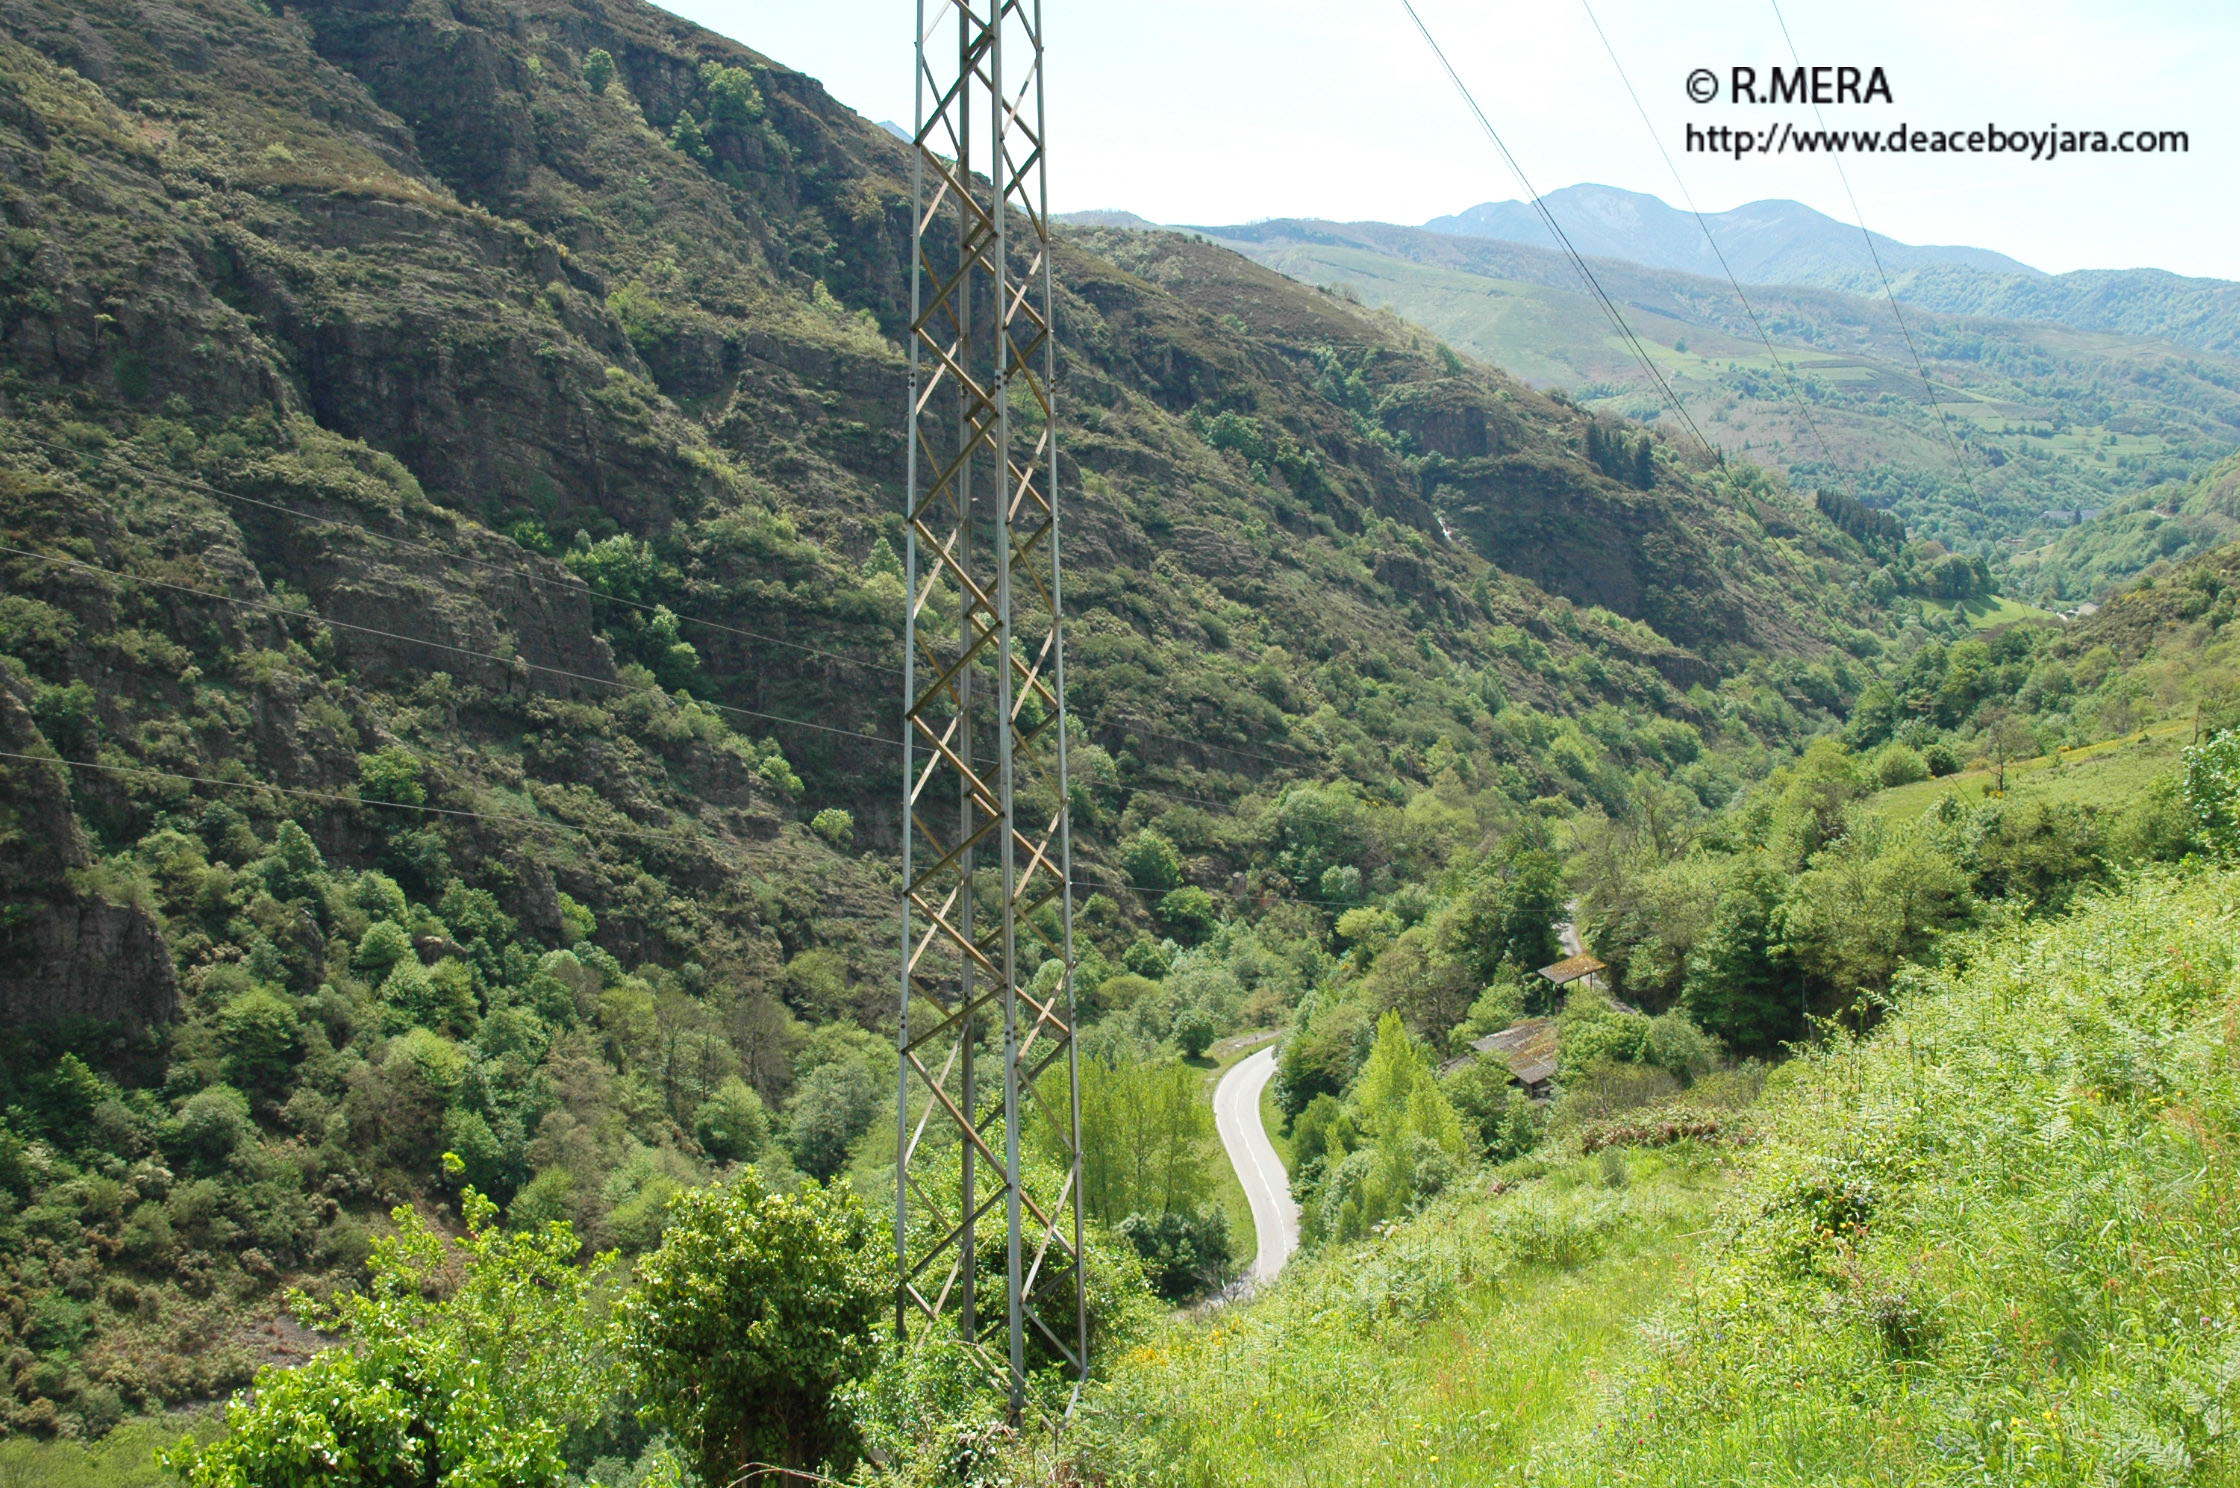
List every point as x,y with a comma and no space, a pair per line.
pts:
1442,1356
1988,614
2112,773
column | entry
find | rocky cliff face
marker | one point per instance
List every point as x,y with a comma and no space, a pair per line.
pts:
72,949
449,604
398,267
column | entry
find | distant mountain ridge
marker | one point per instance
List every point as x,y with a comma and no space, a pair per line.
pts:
1786,242
1765,242
2054,418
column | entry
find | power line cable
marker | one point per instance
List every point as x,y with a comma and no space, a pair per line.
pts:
671,835
1835,157
339,798
313,617
575,587
1796,383
1594,285
578,587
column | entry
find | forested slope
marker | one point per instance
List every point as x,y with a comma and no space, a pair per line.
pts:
2036,419
449,466
1985,1240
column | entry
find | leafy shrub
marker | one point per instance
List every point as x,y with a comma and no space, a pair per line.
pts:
1194,1031
213,1122
391,774
1187,913
1659,1128
478,1382
731,1124
832,1106
835,826
2212,791
1895,764
1185,1253
598,69
756,1309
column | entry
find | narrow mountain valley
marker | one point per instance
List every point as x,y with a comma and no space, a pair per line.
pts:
1598,958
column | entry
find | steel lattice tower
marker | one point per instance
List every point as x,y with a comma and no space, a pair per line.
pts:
988,1115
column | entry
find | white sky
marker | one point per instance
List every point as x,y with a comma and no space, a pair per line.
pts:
1222,111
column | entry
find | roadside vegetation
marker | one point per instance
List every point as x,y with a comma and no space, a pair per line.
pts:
1982,1241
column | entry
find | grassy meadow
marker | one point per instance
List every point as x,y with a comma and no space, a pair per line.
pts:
1989,1242
2110,773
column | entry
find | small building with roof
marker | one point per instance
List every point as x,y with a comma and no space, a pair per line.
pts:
1529,1049
1574,969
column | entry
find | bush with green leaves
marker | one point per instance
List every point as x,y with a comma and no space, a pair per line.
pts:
1186,1253
1411,1142
598,69
732,1124
2212,791
1186,913
1194,1031
461,1363
758,1308
1150,863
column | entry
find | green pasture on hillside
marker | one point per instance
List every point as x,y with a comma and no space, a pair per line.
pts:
2111,773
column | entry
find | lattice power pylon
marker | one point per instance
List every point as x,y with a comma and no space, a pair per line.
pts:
989,1111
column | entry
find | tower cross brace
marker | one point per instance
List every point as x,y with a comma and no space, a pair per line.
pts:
988,1105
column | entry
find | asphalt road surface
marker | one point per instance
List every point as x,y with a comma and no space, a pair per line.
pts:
1267,1187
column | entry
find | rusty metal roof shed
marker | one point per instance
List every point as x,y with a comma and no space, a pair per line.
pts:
1572,968
1528,1048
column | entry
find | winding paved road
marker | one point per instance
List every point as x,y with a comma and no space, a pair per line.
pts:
1236,1114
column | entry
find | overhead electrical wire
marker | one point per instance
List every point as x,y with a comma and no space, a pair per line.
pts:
338,798
1795,382
668,834
1835,157
1594,285
576,588
313,617
580,589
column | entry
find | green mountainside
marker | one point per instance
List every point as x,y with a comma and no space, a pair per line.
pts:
2039,421
2185,311
1788,243
450,587
449,465
2173,521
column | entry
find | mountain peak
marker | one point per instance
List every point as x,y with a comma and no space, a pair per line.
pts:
1765,242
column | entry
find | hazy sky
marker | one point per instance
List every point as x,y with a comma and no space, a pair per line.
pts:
1222,111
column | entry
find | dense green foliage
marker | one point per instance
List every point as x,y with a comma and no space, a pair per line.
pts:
1983,1240
478,1379
756,1310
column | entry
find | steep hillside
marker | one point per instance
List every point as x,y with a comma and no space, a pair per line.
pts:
2047,419
2187,311
1985,1240
2172,521
448,492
